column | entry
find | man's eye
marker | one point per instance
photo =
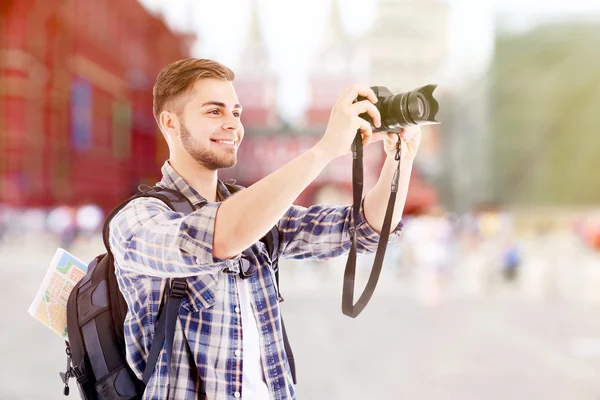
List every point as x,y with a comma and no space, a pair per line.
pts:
214,112
237,114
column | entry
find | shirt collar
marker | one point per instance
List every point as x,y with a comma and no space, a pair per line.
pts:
172,180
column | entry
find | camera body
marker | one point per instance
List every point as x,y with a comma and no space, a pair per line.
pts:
417,107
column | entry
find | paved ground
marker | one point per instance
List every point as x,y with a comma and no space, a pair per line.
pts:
499,344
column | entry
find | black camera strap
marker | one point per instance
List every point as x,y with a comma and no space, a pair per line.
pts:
348,307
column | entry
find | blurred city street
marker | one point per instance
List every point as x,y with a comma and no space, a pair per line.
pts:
535,338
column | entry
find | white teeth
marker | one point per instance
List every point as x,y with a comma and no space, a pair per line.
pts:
226,141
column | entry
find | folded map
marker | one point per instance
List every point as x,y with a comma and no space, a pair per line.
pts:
50,303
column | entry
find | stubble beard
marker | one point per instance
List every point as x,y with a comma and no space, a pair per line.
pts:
205,157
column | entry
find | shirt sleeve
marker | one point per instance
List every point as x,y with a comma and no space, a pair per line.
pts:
323,232
149,238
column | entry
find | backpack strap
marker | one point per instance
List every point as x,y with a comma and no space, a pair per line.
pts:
167,319
165,327
173,198
271,239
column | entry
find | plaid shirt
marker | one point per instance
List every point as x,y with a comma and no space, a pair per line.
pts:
152,243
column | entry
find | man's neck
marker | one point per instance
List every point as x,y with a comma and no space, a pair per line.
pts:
203,181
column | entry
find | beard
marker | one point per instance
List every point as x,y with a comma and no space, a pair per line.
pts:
205,157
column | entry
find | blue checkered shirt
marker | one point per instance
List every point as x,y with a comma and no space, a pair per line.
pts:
151,243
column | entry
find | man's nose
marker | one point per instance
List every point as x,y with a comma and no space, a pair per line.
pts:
232,123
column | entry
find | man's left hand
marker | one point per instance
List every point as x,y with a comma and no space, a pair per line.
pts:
410,138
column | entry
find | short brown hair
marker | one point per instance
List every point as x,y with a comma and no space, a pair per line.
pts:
176,80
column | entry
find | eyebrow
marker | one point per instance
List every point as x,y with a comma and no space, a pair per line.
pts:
219,104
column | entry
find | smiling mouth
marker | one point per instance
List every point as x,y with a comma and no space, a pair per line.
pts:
225,142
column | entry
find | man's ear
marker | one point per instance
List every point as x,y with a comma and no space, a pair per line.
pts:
169,125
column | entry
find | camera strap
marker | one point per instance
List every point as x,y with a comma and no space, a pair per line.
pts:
348,307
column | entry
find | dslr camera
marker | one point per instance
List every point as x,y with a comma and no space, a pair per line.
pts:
417,107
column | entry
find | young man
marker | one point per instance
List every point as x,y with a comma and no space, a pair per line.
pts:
228,342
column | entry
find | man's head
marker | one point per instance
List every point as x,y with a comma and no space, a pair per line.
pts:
198,112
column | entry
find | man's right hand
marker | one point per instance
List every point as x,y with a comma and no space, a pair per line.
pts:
344,121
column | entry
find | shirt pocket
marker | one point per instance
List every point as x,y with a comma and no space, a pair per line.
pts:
200,294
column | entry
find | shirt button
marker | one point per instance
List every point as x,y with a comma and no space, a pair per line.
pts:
237,353
236,395
237,310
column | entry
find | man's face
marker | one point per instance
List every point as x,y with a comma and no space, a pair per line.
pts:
210,126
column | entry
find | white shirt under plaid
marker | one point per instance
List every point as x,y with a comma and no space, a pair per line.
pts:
151,243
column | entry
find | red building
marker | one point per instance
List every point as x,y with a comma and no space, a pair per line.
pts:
76,79
76,122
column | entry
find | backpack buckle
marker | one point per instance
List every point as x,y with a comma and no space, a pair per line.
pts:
178,288
79,375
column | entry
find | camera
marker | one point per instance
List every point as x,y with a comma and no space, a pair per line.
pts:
417,107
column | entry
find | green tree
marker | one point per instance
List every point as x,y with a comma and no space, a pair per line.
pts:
545,114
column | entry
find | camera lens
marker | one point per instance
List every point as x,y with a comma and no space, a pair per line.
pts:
417,107
420,107
423,108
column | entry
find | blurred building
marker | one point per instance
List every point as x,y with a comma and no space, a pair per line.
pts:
408,43
449,43
76,124
395,49
466,176
76,78
409,48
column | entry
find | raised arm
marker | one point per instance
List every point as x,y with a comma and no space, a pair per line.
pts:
248,215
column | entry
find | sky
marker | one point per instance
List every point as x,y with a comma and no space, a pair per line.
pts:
468,16
177,10
472,26
547,6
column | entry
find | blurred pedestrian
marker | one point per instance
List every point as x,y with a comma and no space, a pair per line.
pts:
62,222
511,260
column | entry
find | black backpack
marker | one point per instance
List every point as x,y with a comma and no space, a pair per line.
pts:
96,313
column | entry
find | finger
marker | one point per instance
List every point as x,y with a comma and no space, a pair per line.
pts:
368,107
393,136
409,132
352,92
378,136
406,135
365,130
392,139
